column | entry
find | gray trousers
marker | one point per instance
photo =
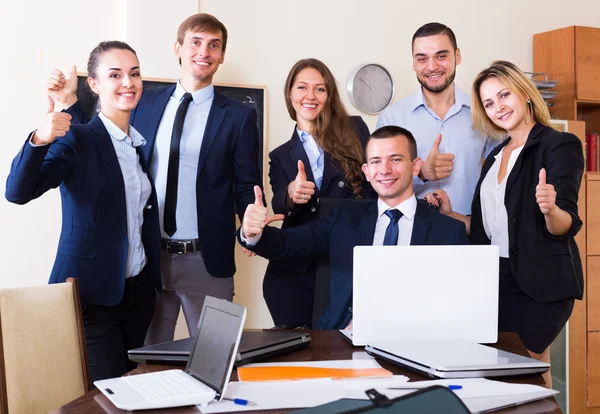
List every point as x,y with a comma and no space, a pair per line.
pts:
186,282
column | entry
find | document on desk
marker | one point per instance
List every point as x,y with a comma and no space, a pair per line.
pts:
283,371
479,395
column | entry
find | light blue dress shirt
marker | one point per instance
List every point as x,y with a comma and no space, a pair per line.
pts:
137,191
315,156
189,154
458,138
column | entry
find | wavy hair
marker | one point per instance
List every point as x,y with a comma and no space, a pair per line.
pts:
332,130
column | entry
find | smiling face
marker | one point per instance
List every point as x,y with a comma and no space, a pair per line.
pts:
201,54
434,62
308,96
390,170
118,82
505,108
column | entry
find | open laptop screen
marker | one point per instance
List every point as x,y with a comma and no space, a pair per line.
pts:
213,351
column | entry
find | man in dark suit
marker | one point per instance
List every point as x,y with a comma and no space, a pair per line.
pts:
396,218
202,148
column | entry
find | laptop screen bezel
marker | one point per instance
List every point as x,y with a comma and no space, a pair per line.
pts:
234,309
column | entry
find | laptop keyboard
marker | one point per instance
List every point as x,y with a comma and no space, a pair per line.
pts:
166,384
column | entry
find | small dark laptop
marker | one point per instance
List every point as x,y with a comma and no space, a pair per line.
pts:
255,346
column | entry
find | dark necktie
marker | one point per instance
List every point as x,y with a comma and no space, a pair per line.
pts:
170,224
391,233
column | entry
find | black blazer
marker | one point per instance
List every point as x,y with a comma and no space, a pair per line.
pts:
335,236
283,168
545,267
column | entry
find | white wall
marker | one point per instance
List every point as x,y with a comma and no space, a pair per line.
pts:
342,33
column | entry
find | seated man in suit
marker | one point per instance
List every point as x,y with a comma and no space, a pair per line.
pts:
395,218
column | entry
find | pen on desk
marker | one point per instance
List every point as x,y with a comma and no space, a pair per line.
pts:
412,387
240,401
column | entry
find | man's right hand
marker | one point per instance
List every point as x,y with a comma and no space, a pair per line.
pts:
301,190
54,124
437,165
255,217
63,89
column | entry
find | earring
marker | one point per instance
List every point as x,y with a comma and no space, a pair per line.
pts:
528,101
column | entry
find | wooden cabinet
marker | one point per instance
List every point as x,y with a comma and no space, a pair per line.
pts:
571,56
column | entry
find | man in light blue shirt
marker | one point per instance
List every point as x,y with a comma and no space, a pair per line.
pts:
439,116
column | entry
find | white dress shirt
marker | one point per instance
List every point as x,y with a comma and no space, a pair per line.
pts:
189,154
493,209
137,191
408,208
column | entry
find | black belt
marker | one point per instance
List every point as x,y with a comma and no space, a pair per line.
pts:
180,246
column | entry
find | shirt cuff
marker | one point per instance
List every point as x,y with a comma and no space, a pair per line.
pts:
30,140
250,241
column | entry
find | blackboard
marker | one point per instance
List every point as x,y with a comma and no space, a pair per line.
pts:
253,96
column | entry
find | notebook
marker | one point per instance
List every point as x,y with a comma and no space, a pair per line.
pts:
207,372
454,358
426,292
254,346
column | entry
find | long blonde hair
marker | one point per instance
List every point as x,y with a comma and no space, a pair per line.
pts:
517,82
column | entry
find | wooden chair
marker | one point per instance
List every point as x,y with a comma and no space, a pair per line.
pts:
43,359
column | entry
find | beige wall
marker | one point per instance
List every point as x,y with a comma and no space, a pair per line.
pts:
266,38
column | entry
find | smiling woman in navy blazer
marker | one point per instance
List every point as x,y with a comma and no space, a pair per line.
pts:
110,234
323,158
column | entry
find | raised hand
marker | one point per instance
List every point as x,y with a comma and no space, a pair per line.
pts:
545,195
63,89
54,124
437,165
301,190
256,218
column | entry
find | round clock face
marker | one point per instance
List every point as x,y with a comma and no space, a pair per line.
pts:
371,88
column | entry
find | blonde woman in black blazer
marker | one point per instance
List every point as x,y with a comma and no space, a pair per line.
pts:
534,218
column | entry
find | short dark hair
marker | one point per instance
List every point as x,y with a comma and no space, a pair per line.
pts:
434,29
392,131
102,47
202,22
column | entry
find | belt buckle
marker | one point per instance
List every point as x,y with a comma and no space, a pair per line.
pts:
176,247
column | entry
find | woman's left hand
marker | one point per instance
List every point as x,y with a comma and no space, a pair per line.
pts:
545,195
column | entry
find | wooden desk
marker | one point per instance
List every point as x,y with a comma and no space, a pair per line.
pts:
325,345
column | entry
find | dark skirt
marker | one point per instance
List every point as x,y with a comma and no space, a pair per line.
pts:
536,323
289,294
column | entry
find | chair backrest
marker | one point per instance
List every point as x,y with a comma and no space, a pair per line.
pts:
43,359
322,278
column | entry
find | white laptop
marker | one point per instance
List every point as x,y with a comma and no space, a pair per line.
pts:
425,292
206,374
454,358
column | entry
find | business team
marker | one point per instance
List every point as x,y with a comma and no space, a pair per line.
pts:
124,239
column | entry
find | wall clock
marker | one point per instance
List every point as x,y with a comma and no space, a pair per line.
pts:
370,88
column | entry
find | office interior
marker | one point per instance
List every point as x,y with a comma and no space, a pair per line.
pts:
266,37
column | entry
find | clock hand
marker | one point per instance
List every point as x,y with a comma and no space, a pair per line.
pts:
367,83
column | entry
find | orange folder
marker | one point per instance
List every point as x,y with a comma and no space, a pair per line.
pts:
278,373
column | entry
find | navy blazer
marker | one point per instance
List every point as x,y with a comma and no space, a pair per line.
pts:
93,240
546,267
227,169
283,170
336,236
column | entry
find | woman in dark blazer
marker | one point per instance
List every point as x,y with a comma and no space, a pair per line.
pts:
323,158
110,237
526,203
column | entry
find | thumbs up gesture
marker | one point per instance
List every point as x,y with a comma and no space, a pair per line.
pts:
255,217
54,124
545,194
437,165
301,190
63,89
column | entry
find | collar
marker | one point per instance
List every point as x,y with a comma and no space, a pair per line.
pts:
303,135
115,132
418,99
198,96
408,207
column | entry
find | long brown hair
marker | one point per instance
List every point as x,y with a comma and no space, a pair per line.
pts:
333,130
